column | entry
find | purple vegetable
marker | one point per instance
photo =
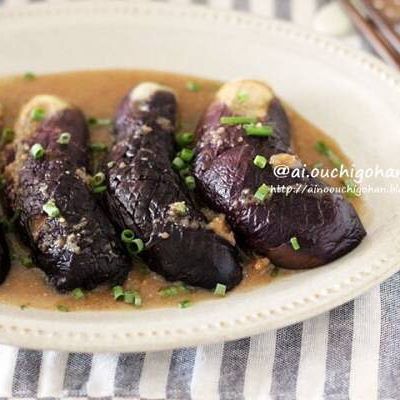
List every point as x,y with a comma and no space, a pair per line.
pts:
301,229
147,196
72,239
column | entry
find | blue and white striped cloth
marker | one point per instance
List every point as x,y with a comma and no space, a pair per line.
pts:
352,352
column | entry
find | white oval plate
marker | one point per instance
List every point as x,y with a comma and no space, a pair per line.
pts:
352,96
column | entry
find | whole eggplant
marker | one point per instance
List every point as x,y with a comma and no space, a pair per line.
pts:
72,239
146,195
4,252
299,223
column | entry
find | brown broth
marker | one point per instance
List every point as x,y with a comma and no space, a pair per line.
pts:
97,93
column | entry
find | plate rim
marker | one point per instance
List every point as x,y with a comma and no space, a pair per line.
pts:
20,331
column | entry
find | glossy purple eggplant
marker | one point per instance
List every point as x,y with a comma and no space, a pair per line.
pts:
147,196
72,239
291,219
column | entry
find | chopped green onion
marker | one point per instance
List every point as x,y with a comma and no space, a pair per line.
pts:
178,163
37,151
193,86
29,76
237,120
242,96
260,131
169,291
26,261
97,179
190,182
220,290
51,209
136,246
118,292
98,147
7,135
99,189
38,114
186,154
93,121
263,192
326,151
133,297
138,300
129,297
127,236
174,290
62,308
185,138
295,243
78,294
185,304
351,187
260,161
64,138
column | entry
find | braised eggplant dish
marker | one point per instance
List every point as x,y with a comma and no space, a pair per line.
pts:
135,189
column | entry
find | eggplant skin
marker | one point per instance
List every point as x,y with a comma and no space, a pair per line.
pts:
325,224
80,248
143,190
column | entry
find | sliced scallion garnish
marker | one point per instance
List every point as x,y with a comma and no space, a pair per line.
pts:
133,297
62,308
185,304
259,131
98,147
64,138
78,294
51,209
127,236
29,76
178,163
260,161
263,192
294,243
185,138
99,189
37,151
26,261
95,122
97,179
118,292
38,114
322,148
186,154
190,182
238,120
220,289
136,246
173,290
193,86
242,96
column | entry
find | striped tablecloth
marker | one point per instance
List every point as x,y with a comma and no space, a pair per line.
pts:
352,352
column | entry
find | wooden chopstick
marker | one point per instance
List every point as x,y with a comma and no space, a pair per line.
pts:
379,42
385,27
